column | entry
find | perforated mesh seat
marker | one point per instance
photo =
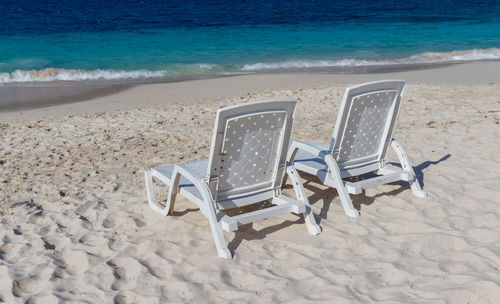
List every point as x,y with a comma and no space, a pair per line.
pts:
365,126
249,151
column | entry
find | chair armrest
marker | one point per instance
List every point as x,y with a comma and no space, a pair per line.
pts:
317,151
313,148
200,185
400,152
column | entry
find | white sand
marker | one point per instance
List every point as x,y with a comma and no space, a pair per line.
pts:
76,227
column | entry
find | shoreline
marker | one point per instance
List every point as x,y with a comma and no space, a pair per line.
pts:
90,97
22,96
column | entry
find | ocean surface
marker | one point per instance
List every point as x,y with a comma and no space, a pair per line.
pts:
84,40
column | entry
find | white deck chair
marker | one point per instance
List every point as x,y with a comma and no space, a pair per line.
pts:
362,135
247,165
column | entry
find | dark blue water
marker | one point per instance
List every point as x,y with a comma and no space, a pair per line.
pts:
77,40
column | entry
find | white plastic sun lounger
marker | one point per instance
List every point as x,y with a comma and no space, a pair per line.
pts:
362,135
247,165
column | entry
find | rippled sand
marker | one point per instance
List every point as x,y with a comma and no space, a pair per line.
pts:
76,227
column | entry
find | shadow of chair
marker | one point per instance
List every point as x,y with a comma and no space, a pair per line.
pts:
312,184
327,195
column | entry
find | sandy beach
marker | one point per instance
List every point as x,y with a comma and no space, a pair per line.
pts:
76,226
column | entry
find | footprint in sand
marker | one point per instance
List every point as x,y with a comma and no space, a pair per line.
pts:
42,299
9,250
45,230
86,211
109,221
139,221
126,272
73,262
130,297
6,295
33,283
88,239
38,218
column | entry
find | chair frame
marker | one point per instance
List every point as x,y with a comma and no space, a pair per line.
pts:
333,172
212,202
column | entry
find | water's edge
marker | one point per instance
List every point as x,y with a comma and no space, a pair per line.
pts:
202,70
32,95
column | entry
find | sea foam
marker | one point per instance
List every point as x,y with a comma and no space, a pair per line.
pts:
52,74
423,58
191,70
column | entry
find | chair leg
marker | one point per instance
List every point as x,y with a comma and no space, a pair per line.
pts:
148,175
415,186
206,205
298,187
338,183
155,205
345,198
172,191
217,232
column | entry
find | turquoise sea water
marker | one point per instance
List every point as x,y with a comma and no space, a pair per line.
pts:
170,39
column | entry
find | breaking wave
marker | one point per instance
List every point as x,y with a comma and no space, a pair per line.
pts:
54,74
428,57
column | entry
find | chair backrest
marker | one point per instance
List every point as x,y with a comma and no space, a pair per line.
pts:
365,122
248,154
